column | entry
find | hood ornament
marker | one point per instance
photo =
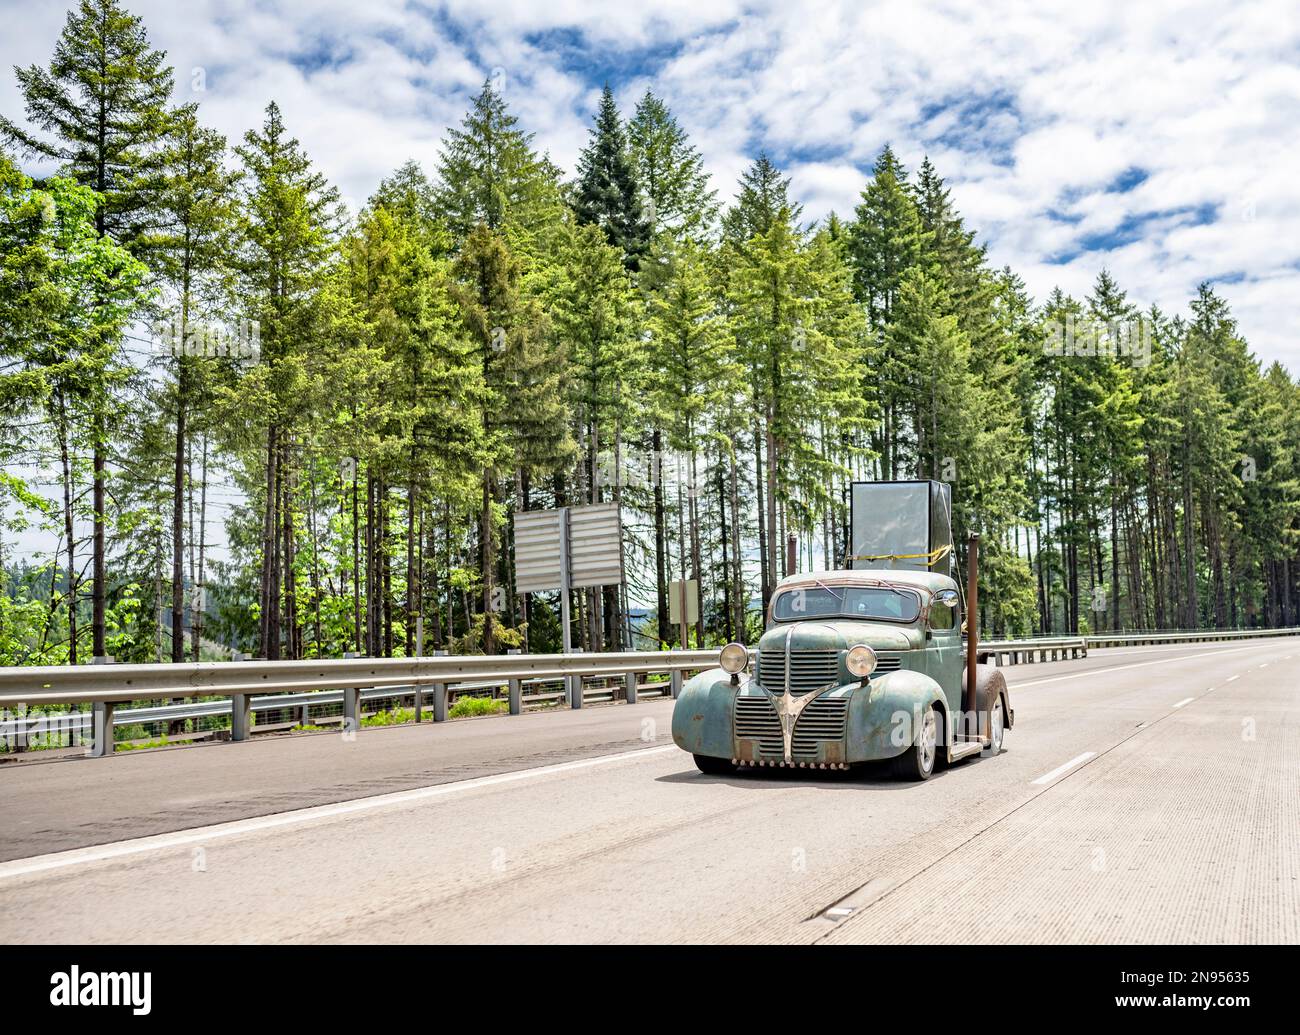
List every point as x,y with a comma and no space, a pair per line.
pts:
788,709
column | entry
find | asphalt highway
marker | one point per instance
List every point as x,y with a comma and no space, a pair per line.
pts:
1145,794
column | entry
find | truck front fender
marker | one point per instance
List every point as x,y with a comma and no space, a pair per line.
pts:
884,714
702,716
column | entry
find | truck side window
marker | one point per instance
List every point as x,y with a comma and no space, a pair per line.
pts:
942,616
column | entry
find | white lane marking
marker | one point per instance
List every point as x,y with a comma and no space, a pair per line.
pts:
160,842
1049,777
1119,668
1185,700
1231,678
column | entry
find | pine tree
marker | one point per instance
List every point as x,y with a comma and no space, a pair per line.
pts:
764,194
523,379
670,170
798,373
66,293
288,217
607,193
490,174
596,313
189,249
693,379
886,240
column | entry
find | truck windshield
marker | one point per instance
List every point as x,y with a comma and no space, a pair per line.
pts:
891,605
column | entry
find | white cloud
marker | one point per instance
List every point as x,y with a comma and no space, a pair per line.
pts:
1029,110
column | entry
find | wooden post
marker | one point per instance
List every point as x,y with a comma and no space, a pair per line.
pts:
972,627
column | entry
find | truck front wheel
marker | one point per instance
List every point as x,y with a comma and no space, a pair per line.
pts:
713,766
917,762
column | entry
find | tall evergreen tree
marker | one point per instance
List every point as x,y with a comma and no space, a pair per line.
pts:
490,174
763,195
607,193
288,219
671,173
102,104
190,250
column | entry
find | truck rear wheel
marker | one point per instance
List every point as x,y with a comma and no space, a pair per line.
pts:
997,727
917,762
713,766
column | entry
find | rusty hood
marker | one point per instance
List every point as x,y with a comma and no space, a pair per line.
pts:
840,634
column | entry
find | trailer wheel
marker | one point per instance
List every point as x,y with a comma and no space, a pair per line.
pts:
713,766
917,762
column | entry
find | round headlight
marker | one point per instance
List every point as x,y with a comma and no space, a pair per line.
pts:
860,661
733,658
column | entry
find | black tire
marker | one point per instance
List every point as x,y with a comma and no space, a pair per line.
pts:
997,729
918,761
711,766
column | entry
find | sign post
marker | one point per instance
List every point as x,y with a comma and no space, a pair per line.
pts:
565,578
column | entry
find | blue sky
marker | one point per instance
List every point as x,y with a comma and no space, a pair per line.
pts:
1157,140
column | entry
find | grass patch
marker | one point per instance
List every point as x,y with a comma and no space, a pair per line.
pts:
392,717
466,707
160,742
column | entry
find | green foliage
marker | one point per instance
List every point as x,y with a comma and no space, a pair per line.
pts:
607,193
469,707
497,338
679,203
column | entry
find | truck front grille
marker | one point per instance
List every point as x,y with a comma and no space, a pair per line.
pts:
809,669
824,719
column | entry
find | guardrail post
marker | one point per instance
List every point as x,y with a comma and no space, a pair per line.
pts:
573,685
241,716
630,680
439,702
102,730
516,686
351,702
675,682
102,722
419,652
20,730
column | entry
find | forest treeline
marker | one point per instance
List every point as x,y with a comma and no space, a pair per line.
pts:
385,388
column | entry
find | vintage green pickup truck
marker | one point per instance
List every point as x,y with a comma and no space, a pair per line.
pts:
854,666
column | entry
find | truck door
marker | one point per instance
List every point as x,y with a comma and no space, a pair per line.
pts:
944,651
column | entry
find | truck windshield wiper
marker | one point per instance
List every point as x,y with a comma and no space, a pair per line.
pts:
828,589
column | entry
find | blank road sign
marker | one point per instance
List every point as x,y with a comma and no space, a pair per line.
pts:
595,548
595,545
537,551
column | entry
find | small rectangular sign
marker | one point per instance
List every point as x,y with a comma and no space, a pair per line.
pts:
692,602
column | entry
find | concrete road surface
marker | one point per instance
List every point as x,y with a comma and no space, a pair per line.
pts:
1145,795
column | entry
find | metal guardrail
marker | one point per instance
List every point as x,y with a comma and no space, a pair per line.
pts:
352,679
20,727
283,685
1048,648
1174,636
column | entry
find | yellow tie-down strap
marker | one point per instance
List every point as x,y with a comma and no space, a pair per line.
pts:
930,558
